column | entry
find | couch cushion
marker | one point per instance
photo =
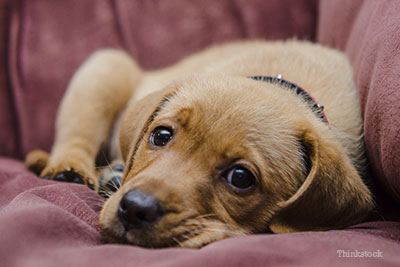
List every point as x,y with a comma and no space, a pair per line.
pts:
8,122
48,40
46,223
368,31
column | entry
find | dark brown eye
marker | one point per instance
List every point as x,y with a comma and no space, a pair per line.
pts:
240,178
161,136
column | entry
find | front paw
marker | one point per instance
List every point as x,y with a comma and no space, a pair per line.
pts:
66,176
36,161
69,171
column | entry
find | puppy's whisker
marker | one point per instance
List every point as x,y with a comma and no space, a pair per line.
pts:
109,166
187,237
106,193
113,183
232,233
191,234
205,223
177,242
114,174
94,200
211,224
211,227
96,206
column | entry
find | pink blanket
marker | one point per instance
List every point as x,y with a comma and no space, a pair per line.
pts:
45,223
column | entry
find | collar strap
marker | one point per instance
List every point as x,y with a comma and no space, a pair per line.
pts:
317,108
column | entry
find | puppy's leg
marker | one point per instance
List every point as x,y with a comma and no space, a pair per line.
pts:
99,90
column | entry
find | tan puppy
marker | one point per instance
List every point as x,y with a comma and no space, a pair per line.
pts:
210,153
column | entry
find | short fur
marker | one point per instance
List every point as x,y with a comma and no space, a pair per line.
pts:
308,172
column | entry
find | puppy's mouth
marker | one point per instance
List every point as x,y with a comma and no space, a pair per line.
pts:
189,233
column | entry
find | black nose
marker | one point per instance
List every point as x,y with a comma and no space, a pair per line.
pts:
138,208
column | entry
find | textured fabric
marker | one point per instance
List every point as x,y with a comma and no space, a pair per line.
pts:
45,223
8,122
368,31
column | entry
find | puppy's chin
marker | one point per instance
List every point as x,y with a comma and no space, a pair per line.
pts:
180,229
151,238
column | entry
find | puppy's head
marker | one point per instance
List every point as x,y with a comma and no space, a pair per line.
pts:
215,157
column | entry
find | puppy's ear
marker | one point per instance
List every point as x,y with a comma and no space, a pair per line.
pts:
138,117
332,195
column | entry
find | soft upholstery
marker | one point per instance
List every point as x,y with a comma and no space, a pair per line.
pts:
368,31
47,223
48,40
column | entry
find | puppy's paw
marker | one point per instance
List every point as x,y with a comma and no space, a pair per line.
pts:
36,161
70,171
111,178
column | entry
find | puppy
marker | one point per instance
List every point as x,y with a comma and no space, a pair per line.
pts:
229,141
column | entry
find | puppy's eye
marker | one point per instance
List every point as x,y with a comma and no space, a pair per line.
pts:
161,136
240,178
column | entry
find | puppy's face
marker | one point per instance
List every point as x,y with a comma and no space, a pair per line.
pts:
214,157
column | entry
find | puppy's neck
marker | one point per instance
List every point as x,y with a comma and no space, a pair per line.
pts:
317,108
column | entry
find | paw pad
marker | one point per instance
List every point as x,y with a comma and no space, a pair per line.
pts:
69,176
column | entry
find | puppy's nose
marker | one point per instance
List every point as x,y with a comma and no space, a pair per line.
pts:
138,208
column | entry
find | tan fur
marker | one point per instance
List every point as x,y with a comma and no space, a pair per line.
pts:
219,116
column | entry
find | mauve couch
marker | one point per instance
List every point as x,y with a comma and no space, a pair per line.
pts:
46,223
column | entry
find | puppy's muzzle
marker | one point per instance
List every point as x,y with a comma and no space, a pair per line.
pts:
137,209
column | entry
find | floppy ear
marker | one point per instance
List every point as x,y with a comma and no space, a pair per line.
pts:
332,195
137,118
